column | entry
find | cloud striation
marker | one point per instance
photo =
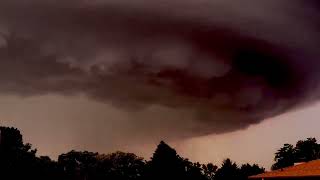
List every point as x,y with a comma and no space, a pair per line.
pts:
182,68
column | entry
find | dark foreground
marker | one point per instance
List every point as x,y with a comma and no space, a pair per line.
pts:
18,160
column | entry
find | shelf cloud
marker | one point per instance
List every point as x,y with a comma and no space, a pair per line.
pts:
183,68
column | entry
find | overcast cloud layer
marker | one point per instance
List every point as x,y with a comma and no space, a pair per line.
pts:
181,68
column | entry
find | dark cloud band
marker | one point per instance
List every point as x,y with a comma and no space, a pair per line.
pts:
223,73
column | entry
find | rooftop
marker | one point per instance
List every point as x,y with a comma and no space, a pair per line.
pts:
308,169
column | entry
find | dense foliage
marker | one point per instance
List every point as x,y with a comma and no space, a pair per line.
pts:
18,160
305,150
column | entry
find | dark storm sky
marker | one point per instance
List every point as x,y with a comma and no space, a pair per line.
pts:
156,69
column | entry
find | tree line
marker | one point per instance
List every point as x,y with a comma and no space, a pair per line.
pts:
303,151
18,160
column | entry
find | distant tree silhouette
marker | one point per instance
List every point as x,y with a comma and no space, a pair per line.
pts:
121,166
209,170
194,171
16,158
78,165
165,164
305,150
19,161
228,171
247,170
93,166
48,169
284,157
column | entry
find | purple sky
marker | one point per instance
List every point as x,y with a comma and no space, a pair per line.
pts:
213,77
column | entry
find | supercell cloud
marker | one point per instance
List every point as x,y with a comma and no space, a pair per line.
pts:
209,66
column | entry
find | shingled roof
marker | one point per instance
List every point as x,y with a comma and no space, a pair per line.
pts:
308,169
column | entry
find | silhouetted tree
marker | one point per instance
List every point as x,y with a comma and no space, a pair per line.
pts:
247,170
209,170
93,166
48,169
307,150
78,165
165,164
16,158
228,171
121,166
194,171
284,157
19,161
